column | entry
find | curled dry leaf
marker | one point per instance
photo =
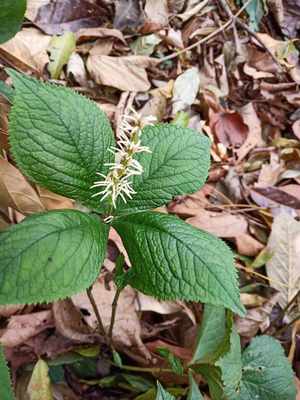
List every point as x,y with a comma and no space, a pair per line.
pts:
228,127
7,311
124,73
76,70
53,201
22,327
157,11
56,17
256,318
221,224
27,51
16,192
283,268
89,34
247,245
127,328
69,322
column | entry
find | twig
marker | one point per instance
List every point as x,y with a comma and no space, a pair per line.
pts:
101,328
285,327
208,37
236,21
113,314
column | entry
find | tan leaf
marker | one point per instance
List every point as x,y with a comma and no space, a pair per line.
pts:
7,311
127,328
53,201
16,192
124,73
88,34
254,137
221,224
157,11
247,245
283,268
27,51
39,387
22,327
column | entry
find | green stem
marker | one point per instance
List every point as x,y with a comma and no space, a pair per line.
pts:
113,314
101,328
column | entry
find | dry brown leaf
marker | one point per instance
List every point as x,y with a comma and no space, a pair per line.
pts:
228,127
127,328
128,14
53,201
254,137
7,311
89,34
256,318
157,11
16,192
247,245
27,51
188,206
22,327
221,224
76,70
124,73
69,323
283,268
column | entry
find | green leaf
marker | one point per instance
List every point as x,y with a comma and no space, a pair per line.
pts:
267,373
39,386
194,392
162,394
174,362
178,164
231,366
11,17
59,138
173,260
6,392
212,335
50,256
60,48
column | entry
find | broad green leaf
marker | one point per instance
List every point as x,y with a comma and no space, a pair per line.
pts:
162,394
39,387
60,48
6,392
212,334
173,260
231,366
178,164
59,138
194,392
266,372
11,17
212,375
50,256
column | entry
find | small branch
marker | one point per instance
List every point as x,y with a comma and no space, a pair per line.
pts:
113,315
101,328
208,37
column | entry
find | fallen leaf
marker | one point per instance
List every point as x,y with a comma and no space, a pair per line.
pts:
271,196
16,192
247,245
69,322
128,14
89,34
53,201
185,89
39,387
127,328
22,327
228,127
283,268
27,51
56,17
124,73
221,224
145,45
254,137
157,11
296,128
76,70
7,311
60,48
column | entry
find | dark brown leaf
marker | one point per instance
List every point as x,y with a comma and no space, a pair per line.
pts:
274,195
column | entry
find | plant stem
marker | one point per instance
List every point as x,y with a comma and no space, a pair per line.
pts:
101,328
113,315
141,369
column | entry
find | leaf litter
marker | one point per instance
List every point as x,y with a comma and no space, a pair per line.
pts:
242,91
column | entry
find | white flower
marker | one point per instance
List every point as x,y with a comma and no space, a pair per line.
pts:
117,182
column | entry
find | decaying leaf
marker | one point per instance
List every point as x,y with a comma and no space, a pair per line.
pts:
185,89
39,387
60,48
229,127
157,11
283,268
128,14
124,73
16,192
